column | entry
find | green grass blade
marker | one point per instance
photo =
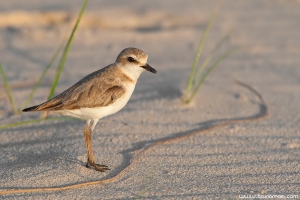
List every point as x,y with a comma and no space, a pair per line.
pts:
32,121
197,57
25,104
223,39
211,55
210,69
10,95
65,52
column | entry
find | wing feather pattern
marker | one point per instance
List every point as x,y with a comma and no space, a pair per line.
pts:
98,89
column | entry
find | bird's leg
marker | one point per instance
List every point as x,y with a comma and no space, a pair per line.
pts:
88,140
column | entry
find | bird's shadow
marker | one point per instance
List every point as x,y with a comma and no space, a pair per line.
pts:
127,155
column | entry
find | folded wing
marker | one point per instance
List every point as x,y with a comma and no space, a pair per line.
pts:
95,90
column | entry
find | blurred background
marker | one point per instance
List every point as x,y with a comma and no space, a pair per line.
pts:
257,157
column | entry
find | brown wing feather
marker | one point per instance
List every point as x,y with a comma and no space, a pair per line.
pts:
98,89
100,98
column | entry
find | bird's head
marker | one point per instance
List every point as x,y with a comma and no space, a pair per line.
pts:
133,62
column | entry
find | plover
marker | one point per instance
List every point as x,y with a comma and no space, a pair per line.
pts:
99,94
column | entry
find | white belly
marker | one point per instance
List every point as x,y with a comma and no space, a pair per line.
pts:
100,112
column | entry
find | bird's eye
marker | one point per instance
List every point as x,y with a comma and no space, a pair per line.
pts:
130,59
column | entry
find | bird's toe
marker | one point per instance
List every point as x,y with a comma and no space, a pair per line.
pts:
101,168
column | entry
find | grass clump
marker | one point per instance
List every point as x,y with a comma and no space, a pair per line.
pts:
36,86
198,75
55,79
65,52
8,90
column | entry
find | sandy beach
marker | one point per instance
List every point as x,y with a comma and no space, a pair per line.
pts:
156,147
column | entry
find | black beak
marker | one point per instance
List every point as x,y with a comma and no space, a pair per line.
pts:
149,68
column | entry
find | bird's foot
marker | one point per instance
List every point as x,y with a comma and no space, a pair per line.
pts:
98,167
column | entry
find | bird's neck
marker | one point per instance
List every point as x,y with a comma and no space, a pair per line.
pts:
131,72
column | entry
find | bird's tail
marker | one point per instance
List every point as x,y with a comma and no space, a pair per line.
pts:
33,108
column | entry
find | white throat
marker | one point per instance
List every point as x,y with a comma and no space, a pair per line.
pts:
132,71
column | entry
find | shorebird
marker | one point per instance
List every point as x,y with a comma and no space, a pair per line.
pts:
99,94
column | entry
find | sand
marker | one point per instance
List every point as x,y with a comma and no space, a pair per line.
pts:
242,158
